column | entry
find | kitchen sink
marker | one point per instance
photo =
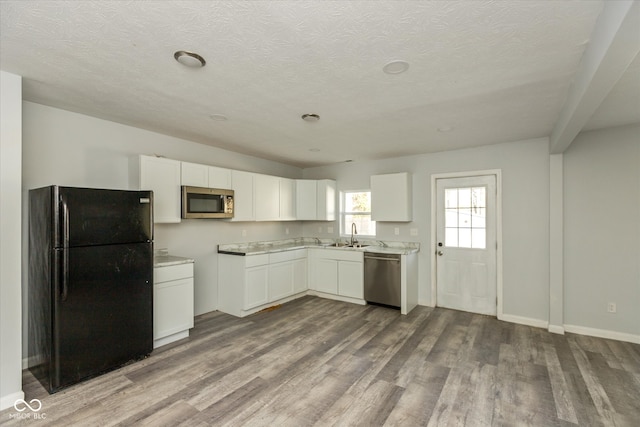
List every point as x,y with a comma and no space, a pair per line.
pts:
345,245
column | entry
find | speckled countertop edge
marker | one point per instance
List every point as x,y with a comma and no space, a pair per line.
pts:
267,247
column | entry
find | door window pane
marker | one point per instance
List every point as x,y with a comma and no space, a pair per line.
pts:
464,197
479,238
451,198
451,237
464,237
451,218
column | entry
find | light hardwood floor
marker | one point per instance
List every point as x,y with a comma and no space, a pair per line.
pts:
320,362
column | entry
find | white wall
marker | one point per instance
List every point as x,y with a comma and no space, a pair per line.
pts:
10,244
525,178
72,149
602,232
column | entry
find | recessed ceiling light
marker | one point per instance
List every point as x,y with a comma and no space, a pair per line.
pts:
189,59
445,129
310,117
314,150
218,117
396,67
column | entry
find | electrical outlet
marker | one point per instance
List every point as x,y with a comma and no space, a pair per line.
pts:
414,231
396,231
244,233
329,230
611,307
319,229
286,230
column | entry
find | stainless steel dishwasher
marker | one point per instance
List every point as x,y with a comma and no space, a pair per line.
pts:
382,278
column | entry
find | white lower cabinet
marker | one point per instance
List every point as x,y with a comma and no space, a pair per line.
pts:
247,284
172,303
337,273
351,279
256,287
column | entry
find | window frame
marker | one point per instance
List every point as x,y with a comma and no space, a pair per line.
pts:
342,213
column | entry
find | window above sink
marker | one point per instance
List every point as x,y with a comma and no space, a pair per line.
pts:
355,208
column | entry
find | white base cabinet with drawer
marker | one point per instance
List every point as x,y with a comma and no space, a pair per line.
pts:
248,284
172,303
337,274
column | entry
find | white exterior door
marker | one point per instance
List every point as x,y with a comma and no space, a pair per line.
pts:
466,245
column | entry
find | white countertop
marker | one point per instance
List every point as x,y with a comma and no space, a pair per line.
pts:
168,260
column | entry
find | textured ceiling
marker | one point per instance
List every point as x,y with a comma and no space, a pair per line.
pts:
493,71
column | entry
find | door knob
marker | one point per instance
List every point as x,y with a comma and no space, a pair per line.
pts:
440,253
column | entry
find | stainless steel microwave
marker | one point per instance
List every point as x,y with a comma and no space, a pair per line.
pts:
200,202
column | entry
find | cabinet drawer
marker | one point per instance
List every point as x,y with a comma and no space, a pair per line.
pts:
255,260
340,255
287,255
172,272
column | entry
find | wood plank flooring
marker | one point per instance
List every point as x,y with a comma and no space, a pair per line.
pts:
327,363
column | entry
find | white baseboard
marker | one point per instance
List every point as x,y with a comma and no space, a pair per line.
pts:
536,323
8,400
603,333
556,329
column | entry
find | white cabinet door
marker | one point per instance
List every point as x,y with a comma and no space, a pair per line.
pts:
219,178
306,199
351,279
300,275
326,275
242,185
326,200
391,197
287,199
280,280
256,286
194,174
162,176
172,307
267,197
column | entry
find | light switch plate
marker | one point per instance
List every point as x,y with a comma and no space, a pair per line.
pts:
414,231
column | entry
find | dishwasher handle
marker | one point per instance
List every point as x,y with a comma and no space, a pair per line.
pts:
396,259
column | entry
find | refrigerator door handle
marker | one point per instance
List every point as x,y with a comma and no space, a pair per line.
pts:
65,251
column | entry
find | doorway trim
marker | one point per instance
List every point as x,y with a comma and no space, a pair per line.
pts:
468,174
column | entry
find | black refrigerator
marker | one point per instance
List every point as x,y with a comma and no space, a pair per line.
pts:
90,282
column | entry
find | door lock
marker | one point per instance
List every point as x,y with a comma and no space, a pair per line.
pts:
440,253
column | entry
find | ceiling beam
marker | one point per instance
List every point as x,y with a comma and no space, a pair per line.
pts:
614,43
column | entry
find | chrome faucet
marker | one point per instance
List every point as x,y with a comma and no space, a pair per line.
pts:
354,230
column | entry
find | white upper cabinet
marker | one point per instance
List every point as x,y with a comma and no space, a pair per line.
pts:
391,196
326,197
242,186
197,175
316,199
266,197
219,178
162,176
306,202
287,199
